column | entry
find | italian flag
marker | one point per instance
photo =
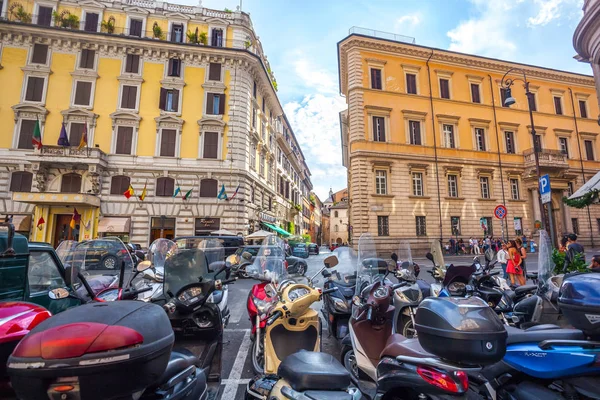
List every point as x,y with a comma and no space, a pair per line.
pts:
36,139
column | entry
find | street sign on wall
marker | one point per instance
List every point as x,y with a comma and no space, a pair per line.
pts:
500,211
545,190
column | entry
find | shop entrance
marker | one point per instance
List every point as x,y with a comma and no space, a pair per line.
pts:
62,229
162,228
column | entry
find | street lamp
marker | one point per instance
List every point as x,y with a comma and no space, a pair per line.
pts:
509,101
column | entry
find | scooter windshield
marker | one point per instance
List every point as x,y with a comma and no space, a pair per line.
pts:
435,248
65,248
405,266
345,271
269,263
459,273
369,266
545,264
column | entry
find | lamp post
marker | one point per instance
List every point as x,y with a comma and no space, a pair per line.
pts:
508,101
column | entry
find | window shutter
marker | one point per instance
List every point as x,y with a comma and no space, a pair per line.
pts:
176,100
40,54
30,88
129,97
91,22
167,142
26,134
209,103
503,96
135,27
119,184
132,65
214,73
411,83
475,93
208,188
75,133
44,16
582,109
211,144
82,93
20,181
221,104
35,88
444,89
124,140
163,99
70,183
87,59
531,101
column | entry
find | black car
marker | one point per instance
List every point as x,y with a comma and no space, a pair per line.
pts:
100,254
238,263
313,248
230,243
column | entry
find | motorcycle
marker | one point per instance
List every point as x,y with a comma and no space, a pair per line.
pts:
407,297
337,305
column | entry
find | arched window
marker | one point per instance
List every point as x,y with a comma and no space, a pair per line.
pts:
20,181
165,187
70,183
335,214
208,188
336,229
119,184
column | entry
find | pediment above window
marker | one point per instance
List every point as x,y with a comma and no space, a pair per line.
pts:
125,118
30,111
169,122
136,10
217,21
177,15
91,4
212,124
79,115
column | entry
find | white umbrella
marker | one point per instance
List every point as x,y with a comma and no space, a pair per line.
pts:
259,235
222,232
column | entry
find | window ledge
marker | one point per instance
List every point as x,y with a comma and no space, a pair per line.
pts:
454,198
419,197
166,158
517,201
482,199
382,195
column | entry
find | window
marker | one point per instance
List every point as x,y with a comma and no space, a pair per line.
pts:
39,54
514,189
129,97
570,189
174,68
411,83
208,188
383,226
169,100
165,187
444,90
563,144
336,228
76,130
452,186
261,164
177,33
211,145
504,96
119,184
214,72
135,27
417,183
124,140
83,93
415,132
168,140
132,64
575,224
217,37
376,78
518,222
486,225
70,183
253,156
532,102
509,140
589,149
379,129
263,105
86,60
91,22
380,182
20,181
26,134
537,143
449,136
254,90
335,214
254,117
484,184
583,109
558,105
215,104
421,226
475,94
35,88
44,16
43,274
480,139
455,226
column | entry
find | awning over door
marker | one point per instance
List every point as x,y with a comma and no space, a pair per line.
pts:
114,224
22,223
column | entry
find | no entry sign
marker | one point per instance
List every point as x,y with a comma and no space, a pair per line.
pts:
500,211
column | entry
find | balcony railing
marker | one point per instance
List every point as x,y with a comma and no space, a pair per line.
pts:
381,35
547,158
79,155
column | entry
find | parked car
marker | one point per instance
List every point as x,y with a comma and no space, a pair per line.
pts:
238,263
101,254
313,248
230,243
300,250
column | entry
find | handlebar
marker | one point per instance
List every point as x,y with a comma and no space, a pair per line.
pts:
274,317
330,290
132,294
370,314
495,273
399,285
226,281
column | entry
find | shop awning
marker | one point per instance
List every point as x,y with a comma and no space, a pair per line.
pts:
56,199
277,229
22,223
114,224
591,185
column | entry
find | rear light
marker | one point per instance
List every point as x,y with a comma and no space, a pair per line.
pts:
75,340
454,382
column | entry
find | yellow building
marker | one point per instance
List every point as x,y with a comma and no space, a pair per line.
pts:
177,102
431,150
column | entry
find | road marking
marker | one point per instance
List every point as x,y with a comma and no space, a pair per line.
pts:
235,382
237,330
235,376
236,311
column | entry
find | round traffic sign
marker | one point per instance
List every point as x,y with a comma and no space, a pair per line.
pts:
500,211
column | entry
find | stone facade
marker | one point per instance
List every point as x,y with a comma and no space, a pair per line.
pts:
586,38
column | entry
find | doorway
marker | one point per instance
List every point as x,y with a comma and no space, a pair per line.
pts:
62,229
162,228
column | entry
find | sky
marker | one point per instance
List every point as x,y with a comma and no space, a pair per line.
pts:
300,38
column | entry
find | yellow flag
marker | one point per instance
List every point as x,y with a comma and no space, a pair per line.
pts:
143,195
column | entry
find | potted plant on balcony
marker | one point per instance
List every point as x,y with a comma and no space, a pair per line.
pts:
157,31
227,10
72,21
203,38
109,25
17,11
193,37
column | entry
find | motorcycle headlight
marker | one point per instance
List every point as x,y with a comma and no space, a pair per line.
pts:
263,306
340,305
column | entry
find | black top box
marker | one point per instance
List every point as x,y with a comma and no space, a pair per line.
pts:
579,301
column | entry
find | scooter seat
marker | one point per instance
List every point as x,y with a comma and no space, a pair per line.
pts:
398,345
516,335
521,290
309,370
180,360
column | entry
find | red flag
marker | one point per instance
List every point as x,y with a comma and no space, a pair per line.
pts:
75,218
40,223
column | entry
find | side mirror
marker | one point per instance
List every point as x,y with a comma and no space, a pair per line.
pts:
395,257
246,256
326,274
142,266
57,294
331,261
429,256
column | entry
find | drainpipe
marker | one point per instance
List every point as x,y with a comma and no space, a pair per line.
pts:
505,222
437,175
581,163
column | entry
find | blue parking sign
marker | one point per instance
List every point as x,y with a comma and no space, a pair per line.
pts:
545,189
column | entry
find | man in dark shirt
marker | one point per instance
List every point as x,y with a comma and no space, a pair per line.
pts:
595,265
573,248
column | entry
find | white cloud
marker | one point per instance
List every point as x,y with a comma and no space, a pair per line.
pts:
412,19
313,77
548,11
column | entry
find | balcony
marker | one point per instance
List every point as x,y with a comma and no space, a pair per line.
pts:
61,156
549,159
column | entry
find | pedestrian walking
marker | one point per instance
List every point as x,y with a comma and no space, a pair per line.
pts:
503,259
513,267
523,253
573,248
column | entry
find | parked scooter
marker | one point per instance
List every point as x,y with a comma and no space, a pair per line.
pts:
406,297
438,272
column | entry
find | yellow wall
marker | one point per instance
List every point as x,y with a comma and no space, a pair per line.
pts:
11,81
58,97
105,100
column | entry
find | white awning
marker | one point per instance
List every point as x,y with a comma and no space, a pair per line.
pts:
592,184
22,223
114,224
